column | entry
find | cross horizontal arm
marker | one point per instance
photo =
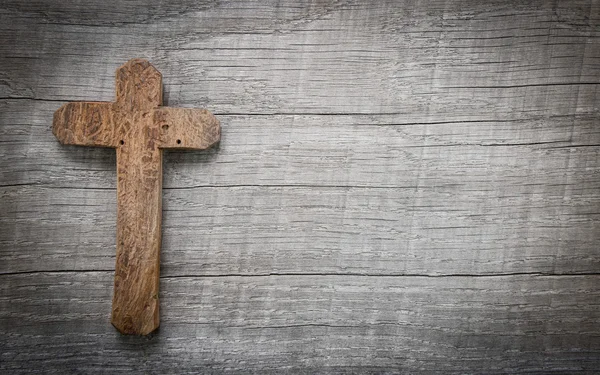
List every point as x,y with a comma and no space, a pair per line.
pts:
85,124
186,128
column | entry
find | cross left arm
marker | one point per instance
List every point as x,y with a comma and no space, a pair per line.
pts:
85,124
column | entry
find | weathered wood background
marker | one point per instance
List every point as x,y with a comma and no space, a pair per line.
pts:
402,186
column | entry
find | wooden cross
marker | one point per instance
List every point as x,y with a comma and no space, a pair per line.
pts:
139,129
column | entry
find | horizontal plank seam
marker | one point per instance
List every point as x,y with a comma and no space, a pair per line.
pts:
37,184
358,274
522,85
343,274
320,325
324,186
366,114
566,144
32,98
335,114
227,186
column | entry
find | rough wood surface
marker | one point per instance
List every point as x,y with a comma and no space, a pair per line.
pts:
401,187
139,129
310,324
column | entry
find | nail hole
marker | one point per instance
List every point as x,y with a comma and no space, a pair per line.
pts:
122,142
179,141
165,127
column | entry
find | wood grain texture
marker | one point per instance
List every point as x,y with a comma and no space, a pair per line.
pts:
139,128
401,187
309,323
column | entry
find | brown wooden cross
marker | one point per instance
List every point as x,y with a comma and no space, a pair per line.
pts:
139,128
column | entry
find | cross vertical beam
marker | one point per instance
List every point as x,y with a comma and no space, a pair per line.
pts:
139,128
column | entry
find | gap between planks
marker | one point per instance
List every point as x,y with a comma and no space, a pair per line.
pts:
330,274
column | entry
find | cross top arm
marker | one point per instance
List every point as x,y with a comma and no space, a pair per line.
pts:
138,104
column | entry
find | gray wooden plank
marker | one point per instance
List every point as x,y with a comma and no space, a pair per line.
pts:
436,62
252,230
349,150
57,322
369,149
